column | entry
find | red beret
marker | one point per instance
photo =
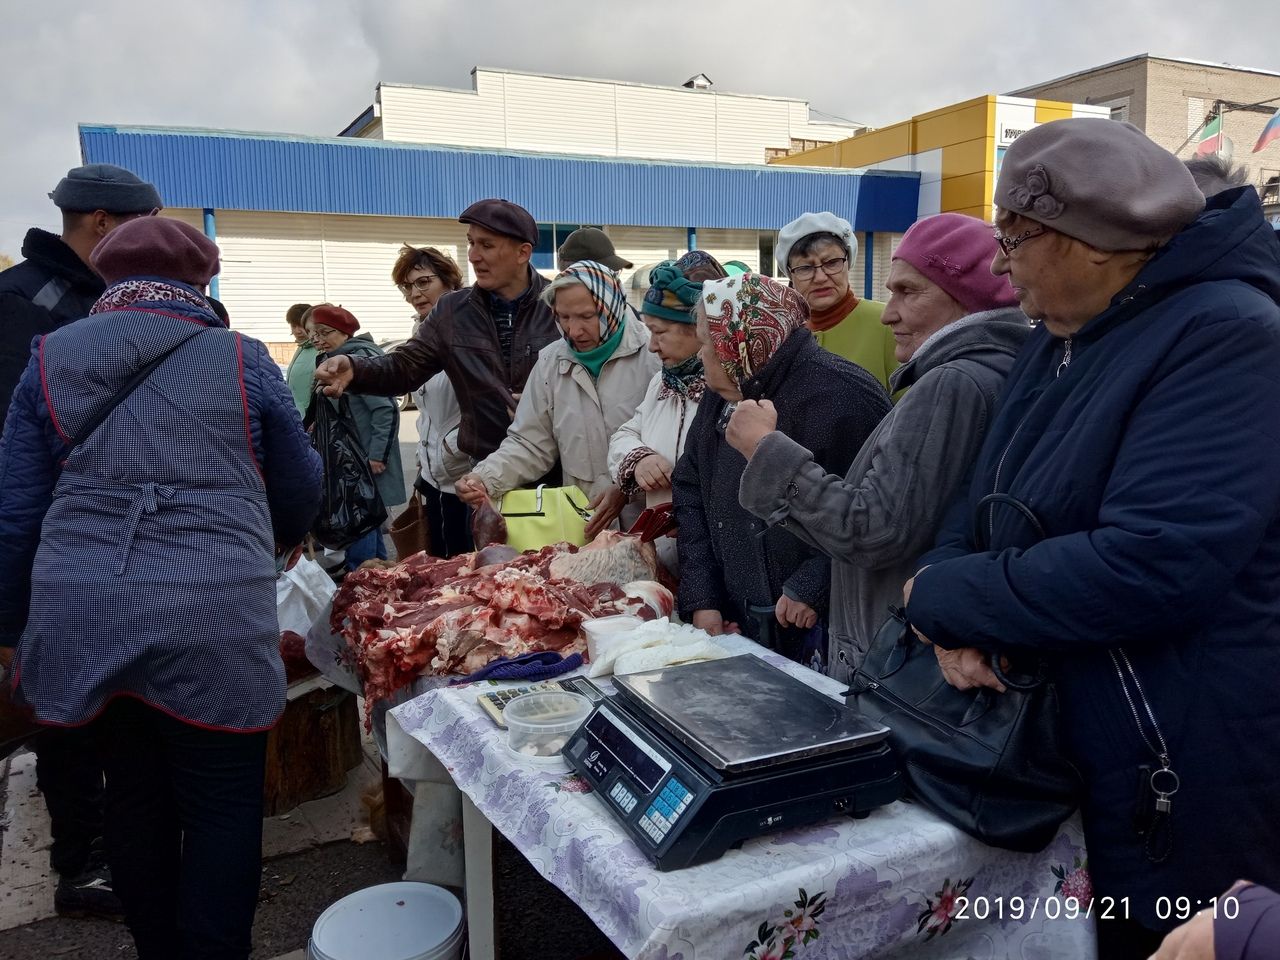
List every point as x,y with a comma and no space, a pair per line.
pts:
156,247
336,318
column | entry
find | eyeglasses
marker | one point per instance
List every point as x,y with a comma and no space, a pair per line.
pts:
1007,245
421,285
830,267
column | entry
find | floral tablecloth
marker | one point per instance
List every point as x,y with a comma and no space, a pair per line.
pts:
890,885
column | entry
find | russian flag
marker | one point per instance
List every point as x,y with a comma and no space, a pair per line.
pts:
1270,132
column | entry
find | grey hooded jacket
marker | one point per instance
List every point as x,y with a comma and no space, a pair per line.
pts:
883,516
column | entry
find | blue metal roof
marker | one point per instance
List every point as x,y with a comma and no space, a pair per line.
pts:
231,170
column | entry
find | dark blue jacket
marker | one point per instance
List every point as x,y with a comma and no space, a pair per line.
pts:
1153,463
729,560
32,453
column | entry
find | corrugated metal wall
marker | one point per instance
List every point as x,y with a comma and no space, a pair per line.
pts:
273,260
245,172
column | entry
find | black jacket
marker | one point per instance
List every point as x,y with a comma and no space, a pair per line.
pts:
49,289
729,560
460,338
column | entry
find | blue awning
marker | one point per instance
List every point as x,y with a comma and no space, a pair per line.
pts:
230,170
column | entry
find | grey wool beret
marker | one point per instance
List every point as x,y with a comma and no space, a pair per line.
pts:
1103,182
104,186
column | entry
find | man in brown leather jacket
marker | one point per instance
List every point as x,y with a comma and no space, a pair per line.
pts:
485,338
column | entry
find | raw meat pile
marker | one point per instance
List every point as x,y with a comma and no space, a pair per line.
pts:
427,615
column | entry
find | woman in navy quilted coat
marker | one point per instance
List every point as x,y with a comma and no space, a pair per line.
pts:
138,574
1140,426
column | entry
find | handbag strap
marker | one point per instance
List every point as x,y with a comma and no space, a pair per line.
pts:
990,500
123,394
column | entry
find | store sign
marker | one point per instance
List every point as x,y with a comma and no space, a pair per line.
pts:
1007,134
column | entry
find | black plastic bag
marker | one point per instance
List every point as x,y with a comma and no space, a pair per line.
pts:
351,506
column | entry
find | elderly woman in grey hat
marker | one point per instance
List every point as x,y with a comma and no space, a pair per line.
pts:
1133,547
816,251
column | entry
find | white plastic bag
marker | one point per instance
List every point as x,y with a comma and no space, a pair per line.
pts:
303,595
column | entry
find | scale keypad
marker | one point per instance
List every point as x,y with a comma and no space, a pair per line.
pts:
665,809
623,797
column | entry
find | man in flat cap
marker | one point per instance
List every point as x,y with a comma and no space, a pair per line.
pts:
485,338
54,286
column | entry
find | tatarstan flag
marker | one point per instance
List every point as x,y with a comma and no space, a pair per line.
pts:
1270,132
1210,137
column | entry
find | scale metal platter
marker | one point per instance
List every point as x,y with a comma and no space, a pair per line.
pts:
741,714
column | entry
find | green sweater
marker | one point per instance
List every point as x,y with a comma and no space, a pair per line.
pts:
302,370
863,339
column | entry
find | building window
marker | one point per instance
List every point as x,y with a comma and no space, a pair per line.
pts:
1119,107
550,236
1269,186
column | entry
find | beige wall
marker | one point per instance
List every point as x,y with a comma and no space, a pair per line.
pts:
1169,99
569,115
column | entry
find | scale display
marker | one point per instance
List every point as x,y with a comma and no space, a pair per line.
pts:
682,808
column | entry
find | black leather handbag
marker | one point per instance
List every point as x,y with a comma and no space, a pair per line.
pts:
988,762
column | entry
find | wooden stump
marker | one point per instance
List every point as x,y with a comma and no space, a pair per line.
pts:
312,747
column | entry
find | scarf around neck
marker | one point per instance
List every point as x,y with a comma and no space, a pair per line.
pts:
821,320
120,296
595,358
684,379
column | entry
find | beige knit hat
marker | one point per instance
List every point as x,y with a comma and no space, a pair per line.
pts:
1101,181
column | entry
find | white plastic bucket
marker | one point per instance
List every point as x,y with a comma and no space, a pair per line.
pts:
392,921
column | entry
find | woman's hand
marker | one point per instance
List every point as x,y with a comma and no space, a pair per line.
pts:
966,668
376,467
751,422
605,509
471,490
793,613
654,473
334,375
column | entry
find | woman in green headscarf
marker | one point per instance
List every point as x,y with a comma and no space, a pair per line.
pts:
581,390
643,453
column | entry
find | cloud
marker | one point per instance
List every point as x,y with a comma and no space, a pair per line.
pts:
311,67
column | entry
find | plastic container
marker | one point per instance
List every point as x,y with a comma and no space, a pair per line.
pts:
539,724
392,921
603,631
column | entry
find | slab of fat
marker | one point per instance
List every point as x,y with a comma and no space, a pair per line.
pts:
666,655
651,634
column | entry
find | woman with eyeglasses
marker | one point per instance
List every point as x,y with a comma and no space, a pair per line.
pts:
376,419
816,251
1139,431
424,275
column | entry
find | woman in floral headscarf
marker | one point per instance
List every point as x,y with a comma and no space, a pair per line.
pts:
581,390
737,570
644,452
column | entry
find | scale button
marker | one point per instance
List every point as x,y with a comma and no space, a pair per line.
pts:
688,798
630,804
681,807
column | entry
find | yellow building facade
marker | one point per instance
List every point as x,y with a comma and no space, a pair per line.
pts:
957,150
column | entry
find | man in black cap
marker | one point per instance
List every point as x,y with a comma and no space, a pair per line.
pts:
485,338
54,286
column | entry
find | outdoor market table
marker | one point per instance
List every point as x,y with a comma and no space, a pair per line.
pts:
884,886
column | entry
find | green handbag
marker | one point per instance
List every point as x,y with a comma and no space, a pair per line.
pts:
545,515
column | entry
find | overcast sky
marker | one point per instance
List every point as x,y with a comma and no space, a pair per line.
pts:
310,66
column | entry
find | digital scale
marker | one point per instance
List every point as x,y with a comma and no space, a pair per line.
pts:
696,758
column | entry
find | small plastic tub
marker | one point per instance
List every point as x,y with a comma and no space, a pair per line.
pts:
602,631
539,724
